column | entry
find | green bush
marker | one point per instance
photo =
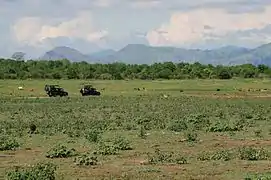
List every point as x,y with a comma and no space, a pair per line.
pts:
113,146
259,176
122,143
61,151
8,143
178,126
40,171
93,135
86,160
224,155
253,154
165,157
105,148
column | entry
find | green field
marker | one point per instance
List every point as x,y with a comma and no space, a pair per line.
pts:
186,129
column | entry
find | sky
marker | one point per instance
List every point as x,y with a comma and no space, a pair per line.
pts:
36,26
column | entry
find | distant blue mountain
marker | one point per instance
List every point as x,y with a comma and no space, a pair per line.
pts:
143,54
259,55
63,52
101,55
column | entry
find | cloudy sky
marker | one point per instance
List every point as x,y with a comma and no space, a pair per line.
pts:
35,26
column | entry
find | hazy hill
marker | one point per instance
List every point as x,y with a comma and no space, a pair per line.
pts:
64,52
101,55
259,55
138,53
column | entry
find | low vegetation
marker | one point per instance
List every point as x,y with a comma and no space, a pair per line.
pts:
142,135
8,143
42,171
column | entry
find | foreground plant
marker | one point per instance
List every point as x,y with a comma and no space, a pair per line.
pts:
86,159
253,154
40,171
61,151
113,146
224,155
8,143
161,157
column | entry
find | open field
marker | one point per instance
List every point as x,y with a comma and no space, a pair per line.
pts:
188,129
238,87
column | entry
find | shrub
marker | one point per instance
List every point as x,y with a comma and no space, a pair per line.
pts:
223,127
93,135
253,154
263,176
191,136
113,146
224,155
105,148
61,151
204,156
8,143
122,143
165,157
178,126
198,121
258,133
41,171
86,160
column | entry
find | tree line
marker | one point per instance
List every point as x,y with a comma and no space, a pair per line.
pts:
64,69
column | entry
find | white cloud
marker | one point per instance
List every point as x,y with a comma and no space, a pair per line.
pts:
146,3
33,30
204,24
58,23
25,29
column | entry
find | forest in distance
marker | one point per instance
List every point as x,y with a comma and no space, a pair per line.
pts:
65,69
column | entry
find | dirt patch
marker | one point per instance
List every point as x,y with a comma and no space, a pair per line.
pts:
141,161
173,168
28,153
231,96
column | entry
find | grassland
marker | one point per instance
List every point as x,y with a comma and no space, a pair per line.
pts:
190,129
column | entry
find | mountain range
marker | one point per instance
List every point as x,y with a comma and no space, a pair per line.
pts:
143,54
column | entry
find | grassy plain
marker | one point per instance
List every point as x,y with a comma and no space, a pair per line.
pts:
187,129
